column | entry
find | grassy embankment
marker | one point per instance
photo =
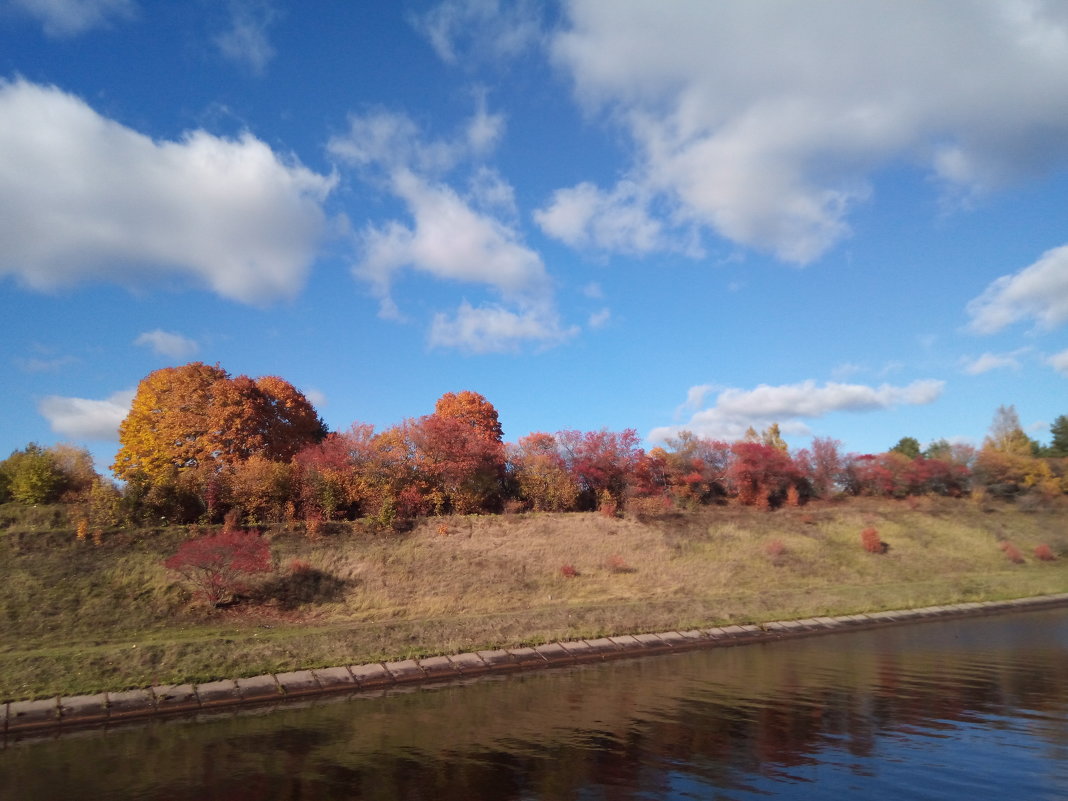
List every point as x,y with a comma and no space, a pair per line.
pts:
77,618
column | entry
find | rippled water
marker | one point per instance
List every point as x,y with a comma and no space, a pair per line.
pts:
940,710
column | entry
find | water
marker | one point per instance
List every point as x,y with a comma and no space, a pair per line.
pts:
961,709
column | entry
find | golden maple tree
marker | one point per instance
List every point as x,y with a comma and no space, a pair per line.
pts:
197,416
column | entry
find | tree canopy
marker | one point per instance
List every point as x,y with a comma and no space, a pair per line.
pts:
196,415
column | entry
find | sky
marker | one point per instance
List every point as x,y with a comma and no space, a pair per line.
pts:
847,218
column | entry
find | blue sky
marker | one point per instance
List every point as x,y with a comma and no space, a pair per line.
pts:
851,219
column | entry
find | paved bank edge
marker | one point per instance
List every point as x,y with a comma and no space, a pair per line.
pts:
18,718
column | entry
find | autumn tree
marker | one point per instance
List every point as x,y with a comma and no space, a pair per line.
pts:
761,475
290,420
602,462
32,475
460,453
822,463
1006,435
1006,465
220,565
197,415
540,475
696,469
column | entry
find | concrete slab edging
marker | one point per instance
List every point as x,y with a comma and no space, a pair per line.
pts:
43,716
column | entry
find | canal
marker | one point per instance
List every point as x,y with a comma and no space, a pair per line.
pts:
951,709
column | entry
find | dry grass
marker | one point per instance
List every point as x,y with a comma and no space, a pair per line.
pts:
78,618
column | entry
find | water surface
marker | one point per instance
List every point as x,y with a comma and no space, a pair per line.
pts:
937,710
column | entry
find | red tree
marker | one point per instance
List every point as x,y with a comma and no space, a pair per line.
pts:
218,565
602,461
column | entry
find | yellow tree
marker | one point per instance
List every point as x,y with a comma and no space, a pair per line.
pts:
197,416
169,421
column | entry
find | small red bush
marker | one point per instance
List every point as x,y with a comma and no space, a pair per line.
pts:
1012,553
869,538
1044,553
775,549
568,571
616,564
218,565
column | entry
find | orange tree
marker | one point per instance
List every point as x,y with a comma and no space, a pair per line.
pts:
197,416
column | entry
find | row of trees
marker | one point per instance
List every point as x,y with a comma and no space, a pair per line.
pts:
199,445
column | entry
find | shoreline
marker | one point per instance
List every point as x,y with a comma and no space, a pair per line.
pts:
102,710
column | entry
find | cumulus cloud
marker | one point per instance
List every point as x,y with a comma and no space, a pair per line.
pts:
469,238
1059,362
766,126
736,410
495,329
245,41
1038,292
621,221
82,418
448,239
991,361
482,29
168,343
63,18
88,199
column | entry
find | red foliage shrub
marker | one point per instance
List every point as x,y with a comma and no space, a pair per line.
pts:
299,566
1044,553
616,564
775,549
1012,553
869,537
568,571
218,565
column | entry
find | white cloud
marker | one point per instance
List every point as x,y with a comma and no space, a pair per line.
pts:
168,343
82,418
390,141
316,397
586,217
450,240
735,410
37,364
62,18
695,396
599,319
1059,362
766,123
450,236
991,361
246,41
494,329
481,29
86,198
1038,292
593,290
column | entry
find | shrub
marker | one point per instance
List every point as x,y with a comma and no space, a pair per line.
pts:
616,564
1044,553
869,538
82,532
218,565
1012,553
568,571
775,548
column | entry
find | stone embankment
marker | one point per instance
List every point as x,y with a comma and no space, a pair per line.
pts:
20,718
